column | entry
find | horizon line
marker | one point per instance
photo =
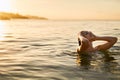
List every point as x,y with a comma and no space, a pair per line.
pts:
85,19
66,19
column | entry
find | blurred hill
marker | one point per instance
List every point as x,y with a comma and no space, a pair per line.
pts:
8,16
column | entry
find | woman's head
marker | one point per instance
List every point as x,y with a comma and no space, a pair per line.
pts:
88,34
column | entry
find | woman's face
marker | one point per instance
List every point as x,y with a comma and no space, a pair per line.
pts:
89,35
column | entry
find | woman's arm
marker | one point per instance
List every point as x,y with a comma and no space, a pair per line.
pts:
110,42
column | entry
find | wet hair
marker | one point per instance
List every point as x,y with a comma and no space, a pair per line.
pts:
79,42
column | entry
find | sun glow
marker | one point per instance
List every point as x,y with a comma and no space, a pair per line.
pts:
5,5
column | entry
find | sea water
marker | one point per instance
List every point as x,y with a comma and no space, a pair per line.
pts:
46,50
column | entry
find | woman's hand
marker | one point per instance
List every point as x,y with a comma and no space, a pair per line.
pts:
93,36
87,34
81,37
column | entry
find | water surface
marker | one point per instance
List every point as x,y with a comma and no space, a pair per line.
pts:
46,50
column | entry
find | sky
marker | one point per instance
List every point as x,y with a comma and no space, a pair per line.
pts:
65,9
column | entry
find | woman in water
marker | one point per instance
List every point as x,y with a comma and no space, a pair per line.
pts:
86,49
86,38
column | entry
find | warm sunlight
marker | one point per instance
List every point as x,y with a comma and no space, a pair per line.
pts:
65,9
5,5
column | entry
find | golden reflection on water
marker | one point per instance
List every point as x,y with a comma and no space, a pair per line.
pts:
2,30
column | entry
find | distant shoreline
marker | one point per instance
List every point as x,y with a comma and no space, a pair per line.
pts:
9,16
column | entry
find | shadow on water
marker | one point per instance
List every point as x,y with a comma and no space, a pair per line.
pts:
86,60
107,65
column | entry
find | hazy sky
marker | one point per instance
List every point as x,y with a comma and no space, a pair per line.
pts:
65,9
